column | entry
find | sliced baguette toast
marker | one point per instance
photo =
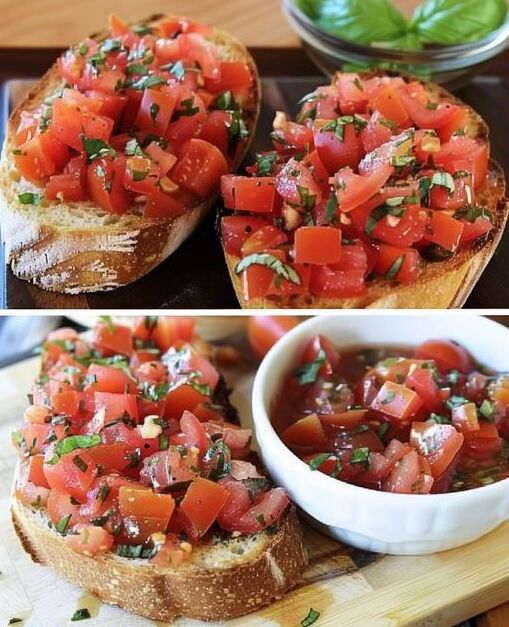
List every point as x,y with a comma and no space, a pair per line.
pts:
222,581
441,285
78,247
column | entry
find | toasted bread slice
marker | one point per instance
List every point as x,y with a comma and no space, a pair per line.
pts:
223,580
79,247
441,284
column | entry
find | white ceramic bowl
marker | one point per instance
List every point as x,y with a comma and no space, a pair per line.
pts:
402,524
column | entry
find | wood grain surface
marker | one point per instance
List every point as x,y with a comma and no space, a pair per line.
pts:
60,23
348,587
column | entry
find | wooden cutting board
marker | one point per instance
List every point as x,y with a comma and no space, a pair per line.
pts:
347,586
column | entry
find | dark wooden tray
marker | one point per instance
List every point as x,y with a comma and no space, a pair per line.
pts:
195,277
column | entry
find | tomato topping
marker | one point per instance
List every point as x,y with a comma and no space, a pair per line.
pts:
446,354
202,503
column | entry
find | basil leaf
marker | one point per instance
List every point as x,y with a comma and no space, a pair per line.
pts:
311,618
443,179
361,456
452,22
62,524
307,373
393,271
96,148
29,198
331,207
317,461
73,442
108,321
284,270
265,163
135,551
470,214
362,21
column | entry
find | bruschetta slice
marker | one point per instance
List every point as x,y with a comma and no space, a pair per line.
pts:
115,156
380,194
136,482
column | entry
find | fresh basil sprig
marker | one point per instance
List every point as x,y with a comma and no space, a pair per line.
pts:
379,22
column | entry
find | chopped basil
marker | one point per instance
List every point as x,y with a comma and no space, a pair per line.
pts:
226,102
381,212
135,551
283,270
452,377
73,442
81,614
29,198
317,461
132,149
62,524
174,68
470,214
79,463
164,442
111,45
391,395
142,29
401,161
307,200
456,401
361,456
202,388
443,179
331,207
487,410
265,163
96,148
338,125
137,68
382,430
393,271
108,321
310,114
103,492
388,124
307,373
82,49
97,59
439,419
311,618
261,520
14,621
154,392
237,130
134,458
139,175
145,82
186,110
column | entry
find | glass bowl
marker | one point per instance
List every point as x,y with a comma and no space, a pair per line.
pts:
451,66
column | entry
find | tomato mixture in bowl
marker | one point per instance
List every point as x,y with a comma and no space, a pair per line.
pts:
374,176
411,421
126,446
147,119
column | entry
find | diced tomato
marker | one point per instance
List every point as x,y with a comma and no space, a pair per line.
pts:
41,157
155,110
202,503
337,283
444,230
351,94
236,504
116,405
336,153
194,433
397,401
170,467
162,205
169,330
352,190
200,167
422,381
60,506
35,471
112,458
317,245
263,239
235,230
389,103
90,540
255,194
306,433
424,116
464,417
484,443
162,158
401,264
472,230
72,125
150,512
109,379
73,473
31,495
172,553
141,176
265,513
113,339
234,75
404,478
438,443
264,331
292,137
464,153
446,354
457,124
377,132
215,129
295,184
105,184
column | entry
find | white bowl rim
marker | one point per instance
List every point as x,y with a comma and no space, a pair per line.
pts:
262,419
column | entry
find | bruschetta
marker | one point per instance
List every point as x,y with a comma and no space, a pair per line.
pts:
380,194
115,156
135,481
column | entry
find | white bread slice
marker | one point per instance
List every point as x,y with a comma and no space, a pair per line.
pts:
78,247
222,581
440,285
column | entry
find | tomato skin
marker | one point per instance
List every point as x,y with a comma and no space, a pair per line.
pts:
335,153
397,401
104,182
376,133
388,256
439,444
194,433
264,331
353,190
109,379
264,239
234,76
444,230
149,511
446,354
265,513
59,506
202,503
236,504
215,130
317,245
421,381
331,283
118,340
41,157
257,195
69,124
464,153
35,471
473,230
388,102
425,117
200,167
116,405
69,477
155,110
306,433
235,230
